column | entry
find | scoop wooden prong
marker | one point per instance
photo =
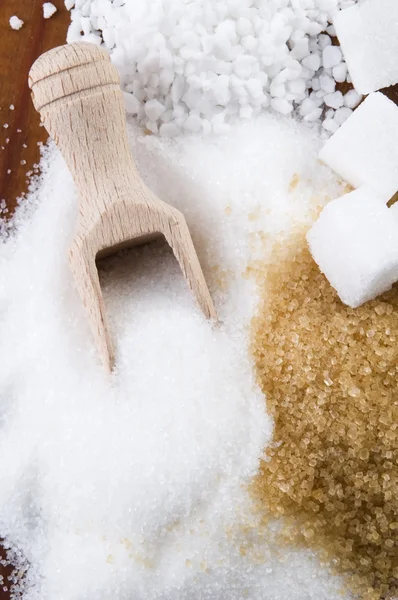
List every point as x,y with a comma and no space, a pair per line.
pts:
76,89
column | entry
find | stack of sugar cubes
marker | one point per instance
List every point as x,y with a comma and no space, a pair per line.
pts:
355,240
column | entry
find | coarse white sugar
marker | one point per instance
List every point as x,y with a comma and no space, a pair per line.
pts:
12,107
364,149
307,107
367,33
331,56
69,4
313,62
334,100
355,244
341,115
196,59
154,109
324,41
137,485
330,125
313,115
352,99
340,72
327,83
49,10
281,105
15,22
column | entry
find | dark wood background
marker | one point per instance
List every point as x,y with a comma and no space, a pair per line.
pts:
18,50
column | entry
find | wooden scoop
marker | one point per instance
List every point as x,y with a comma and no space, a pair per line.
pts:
76,89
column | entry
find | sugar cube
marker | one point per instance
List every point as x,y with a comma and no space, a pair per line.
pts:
364,151
368,36
355,244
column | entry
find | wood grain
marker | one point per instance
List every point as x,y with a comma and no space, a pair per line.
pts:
76,89
18,50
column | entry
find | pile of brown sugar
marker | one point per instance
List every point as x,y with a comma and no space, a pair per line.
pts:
330,375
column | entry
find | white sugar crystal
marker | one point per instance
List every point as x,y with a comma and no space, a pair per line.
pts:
307,107
281,105
341,115
355,244
193,123
364,150
49,10
352,99
331,30
330,125
244,26
324,41
277,89
301,49
331,56
154,109
296,87
340,72
69,4
131,104
15,22
313,116
368,37
316,84
312,62
334,100
169,130
327,83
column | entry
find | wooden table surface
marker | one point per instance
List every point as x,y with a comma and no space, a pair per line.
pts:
20,129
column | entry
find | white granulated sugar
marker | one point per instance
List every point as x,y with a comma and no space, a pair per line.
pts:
49,10
202,65
134,487
15,22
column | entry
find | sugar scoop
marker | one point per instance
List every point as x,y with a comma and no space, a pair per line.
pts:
76,89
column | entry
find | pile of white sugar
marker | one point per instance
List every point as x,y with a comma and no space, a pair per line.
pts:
136,487
197,66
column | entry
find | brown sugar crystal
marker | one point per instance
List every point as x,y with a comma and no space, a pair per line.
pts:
330,376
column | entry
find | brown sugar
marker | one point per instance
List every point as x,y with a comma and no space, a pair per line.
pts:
330,375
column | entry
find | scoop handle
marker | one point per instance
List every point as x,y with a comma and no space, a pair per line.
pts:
76,90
